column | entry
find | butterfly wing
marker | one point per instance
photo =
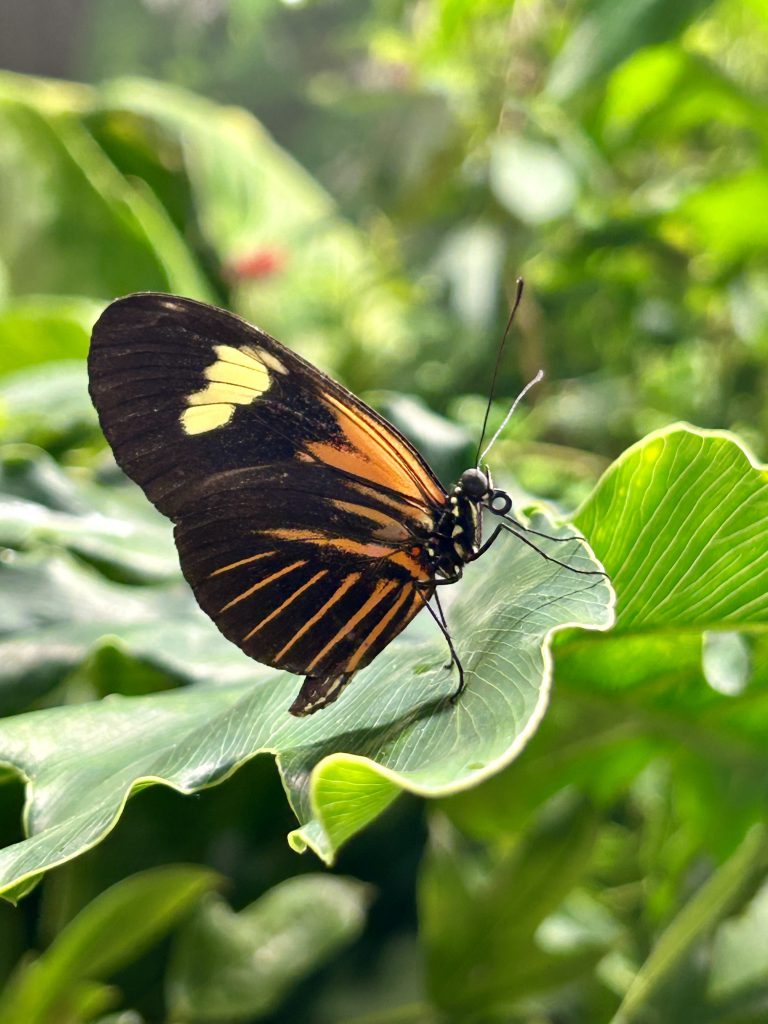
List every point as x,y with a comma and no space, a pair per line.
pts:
299,511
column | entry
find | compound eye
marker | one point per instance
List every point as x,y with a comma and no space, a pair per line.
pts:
474,483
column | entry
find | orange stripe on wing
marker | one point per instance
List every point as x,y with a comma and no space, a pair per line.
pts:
243,561
405,509
348,582
389,527
377,630
349,547
380,591
284,605
262,583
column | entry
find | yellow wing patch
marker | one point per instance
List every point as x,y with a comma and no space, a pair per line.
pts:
238,377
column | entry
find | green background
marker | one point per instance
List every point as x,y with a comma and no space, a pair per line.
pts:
366,181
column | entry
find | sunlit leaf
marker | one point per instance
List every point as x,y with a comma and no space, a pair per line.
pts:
393,729
62,187
610,32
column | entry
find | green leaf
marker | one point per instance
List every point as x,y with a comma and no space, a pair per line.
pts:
112,931
116,529
48,405
679,523
64,187
711,903
45,328
609,33
479,920
238,966
394,728
711,218
740,953
326,291
62,616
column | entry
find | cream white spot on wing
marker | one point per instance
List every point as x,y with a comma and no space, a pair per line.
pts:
197,419
272,362
238,376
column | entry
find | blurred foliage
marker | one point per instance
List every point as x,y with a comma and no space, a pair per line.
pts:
365,181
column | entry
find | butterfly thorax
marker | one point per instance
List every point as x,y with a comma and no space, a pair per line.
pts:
457,535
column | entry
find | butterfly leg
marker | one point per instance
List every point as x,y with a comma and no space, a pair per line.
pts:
556,561
427,584
444,621
440,620
536,533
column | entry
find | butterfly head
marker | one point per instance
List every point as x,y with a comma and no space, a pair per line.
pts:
475,484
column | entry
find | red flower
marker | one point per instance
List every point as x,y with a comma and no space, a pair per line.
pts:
256,265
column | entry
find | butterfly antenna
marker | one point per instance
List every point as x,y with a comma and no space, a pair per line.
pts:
508,417
515,304
480,456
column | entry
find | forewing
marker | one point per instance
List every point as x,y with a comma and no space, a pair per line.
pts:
185,391
300,513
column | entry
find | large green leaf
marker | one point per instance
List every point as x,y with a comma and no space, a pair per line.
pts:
116,529
679,522
229,966
393,729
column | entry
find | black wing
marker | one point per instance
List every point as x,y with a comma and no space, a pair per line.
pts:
300,513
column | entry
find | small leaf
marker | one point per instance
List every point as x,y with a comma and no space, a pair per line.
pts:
110,932
238,966
711,903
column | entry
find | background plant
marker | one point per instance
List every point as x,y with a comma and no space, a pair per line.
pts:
365,182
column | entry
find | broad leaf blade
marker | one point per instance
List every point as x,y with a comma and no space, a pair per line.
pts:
106,935
679,522
393,724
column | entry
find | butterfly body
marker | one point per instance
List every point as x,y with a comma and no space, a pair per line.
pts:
309,528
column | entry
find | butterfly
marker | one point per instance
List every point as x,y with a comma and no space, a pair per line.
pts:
309,529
